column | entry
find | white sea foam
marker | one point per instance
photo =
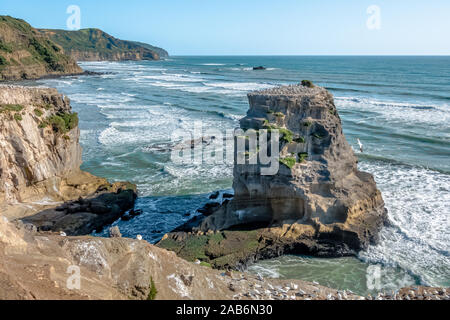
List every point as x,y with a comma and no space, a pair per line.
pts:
399,112
240,86
418,201
173,78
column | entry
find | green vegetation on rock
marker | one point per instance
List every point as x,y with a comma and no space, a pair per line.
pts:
302,156
5,47
61,122
10,108
39,56
285,134
153,291
288,162
219,250
18,117
101,45
3,61
299,140
308,83
38,112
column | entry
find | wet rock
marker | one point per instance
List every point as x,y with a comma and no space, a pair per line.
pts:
209,208
135,213
114,232
214,196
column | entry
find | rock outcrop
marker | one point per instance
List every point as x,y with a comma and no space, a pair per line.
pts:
317,203
96,45
26,54
40,160
42,266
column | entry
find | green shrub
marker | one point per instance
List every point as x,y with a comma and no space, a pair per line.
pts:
46,54
63,122
70,120
38,112
286,135
5,47
302,156
288,162
3,61
43,124
66,137
18,117
57,123
205,264
307,83
299,140
10,108
153,291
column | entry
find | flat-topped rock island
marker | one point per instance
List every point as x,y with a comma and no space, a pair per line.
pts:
317,203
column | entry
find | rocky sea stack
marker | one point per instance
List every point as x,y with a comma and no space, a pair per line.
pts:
317,203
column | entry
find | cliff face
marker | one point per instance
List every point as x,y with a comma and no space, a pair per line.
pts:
27,54
40,162
96,45
317,203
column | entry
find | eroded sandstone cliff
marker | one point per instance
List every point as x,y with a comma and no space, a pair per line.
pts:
40,160
317,203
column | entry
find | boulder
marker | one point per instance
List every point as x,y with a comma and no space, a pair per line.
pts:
114,232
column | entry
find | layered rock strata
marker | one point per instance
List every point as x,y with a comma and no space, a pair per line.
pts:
318,202
40,160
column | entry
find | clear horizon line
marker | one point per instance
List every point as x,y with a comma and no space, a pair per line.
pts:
309,55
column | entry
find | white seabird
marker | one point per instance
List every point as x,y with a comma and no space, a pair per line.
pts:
361,147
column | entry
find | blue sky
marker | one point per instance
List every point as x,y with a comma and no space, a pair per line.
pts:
257,27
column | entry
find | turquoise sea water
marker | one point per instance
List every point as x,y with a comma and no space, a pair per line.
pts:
399,107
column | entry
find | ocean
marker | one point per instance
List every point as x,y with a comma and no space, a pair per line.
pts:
399,107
